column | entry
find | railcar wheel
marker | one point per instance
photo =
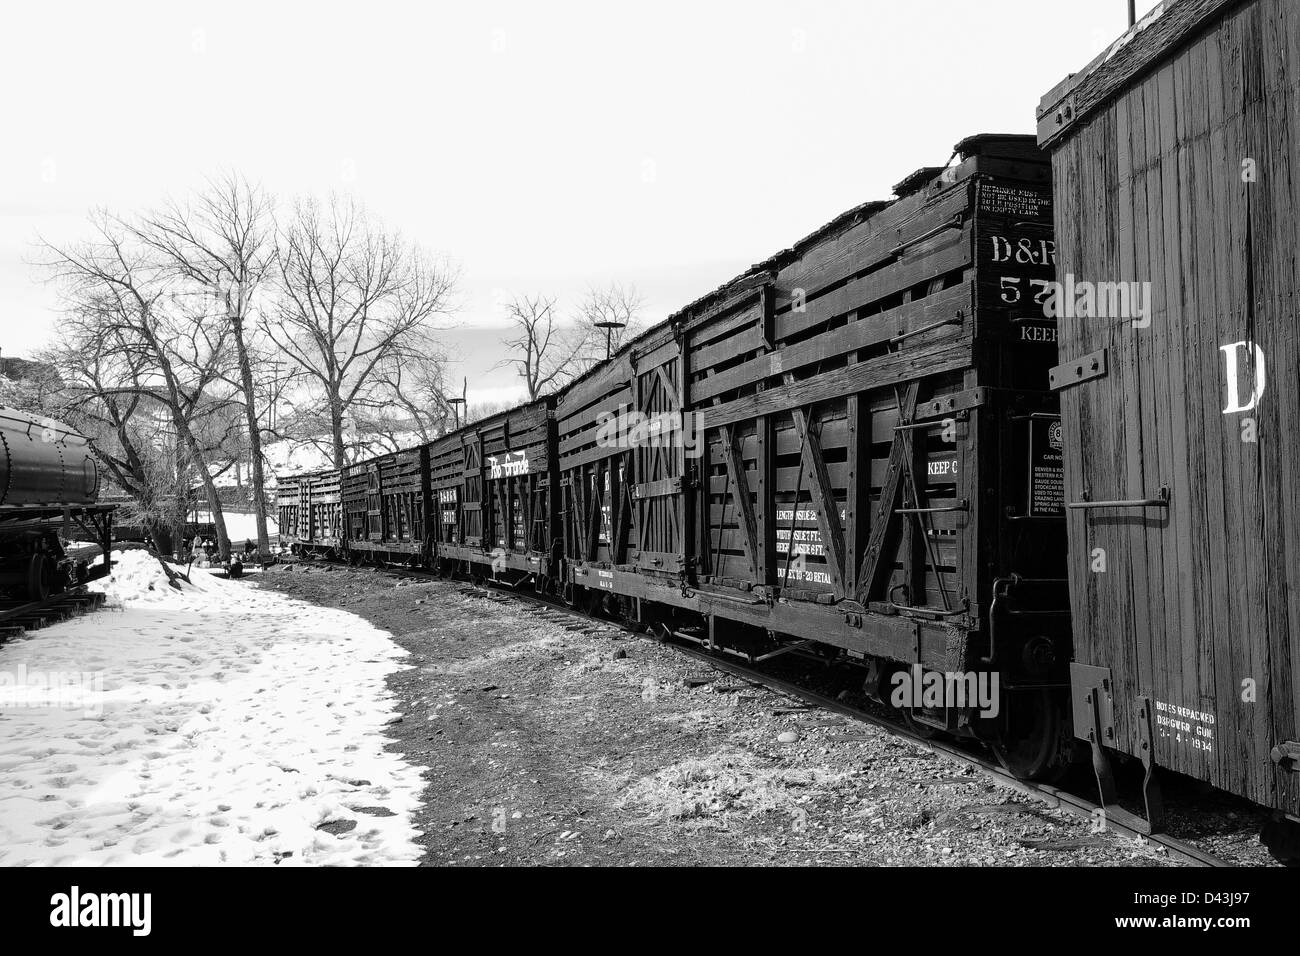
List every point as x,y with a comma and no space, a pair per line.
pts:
1282,838
924,731
1034,742
40,577
883,691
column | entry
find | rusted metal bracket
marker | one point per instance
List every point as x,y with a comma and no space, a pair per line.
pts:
1085,369
1094,721
1151,794
1287,756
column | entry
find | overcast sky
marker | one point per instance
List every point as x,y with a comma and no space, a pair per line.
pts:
544,146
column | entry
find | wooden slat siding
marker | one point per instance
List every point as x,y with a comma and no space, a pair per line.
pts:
1231,198
1199,665
677,454
1279,241
1210,591
866,236
1240,476
1275,234
877,428
1141,557
870,242
765,501
875,563
948,352
839,475
823,499
742,341
1289,28
873,330
1214,290
1181,643
588,417
857,493
917,265
741,497
1162,677
1123,587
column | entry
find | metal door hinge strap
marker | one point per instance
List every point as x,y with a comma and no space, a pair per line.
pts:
1083,369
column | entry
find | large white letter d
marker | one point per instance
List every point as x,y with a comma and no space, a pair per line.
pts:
1234,399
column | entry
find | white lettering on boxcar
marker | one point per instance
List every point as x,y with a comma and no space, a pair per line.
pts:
1235,403
1185,726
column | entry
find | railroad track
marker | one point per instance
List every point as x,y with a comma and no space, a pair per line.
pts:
1054,797
17,618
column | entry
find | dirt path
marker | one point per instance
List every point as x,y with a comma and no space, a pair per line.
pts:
579,744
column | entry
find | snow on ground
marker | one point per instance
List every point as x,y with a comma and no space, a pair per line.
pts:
221,724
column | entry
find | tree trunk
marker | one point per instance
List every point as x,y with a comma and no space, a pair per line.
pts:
209,486
336,426
254,437
164,541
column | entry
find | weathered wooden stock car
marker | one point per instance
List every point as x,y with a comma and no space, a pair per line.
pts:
851,449
1177,186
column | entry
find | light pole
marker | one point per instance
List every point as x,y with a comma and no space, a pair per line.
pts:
455,404
609,328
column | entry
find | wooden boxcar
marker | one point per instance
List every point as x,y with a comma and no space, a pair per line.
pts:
384,507
852,444
310,512
492,486
1176,169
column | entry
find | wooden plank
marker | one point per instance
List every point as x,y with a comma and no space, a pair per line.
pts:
745,506
894,369
874,330
874,569
823,495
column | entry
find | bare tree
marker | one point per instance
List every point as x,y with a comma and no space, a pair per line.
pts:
97,396
223,243
616,306
354,300
541,351
165,335
410,398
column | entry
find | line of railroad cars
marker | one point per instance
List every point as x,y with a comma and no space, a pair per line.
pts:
851,450
868,448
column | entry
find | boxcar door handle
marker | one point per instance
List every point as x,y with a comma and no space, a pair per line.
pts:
1161,502
963,506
